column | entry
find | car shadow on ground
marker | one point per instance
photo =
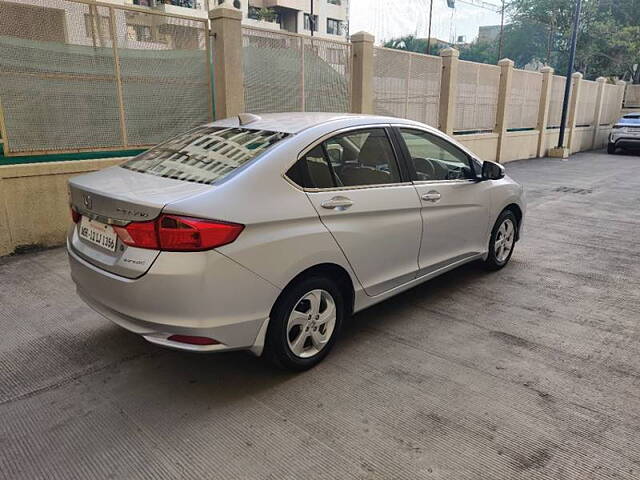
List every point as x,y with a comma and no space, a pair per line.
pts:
228,377
628,152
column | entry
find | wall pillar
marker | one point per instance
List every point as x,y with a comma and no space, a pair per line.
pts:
504,92
6,242
228,72
576,79
597,115
448,84
620,100
362,72
543,110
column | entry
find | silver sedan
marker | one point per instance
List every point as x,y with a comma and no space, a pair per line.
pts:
266,233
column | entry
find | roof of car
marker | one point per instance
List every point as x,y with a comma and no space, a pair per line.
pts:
294,122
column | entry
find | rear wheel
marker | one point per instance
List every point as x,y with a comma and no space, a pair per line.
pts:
611,148
304,323
503,240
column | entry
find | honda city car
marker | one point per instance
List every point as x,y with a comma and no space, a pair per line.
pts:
266,232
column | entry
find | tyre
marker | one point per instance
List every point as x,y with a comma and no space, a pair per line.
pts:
502,241
304,323
611,148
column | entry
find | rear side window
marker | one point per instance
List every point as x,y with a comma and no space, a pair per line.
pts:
204,154
352,159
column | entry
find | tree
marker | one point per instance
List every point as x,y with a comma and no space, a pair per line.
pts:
482,52
539,32
608,37
411,43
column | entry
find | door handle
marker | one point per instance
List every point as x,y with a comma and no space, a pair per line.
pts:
337,203
431,196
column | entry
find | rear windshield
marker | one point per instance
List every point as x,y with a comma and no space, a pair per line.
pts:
630,120
204,154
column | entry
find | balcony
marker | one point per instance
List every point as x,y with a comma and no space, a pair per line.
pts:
300,5
193,4
190,8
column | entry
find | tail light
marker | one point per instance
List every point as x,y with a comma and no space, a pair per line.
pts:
75,216
179,234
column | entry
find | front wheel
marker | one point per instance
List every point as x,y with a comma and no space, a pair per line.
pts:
304,323
611,148
502,241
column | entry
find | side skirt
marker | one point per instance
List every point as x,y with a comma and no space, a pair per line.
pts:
363,301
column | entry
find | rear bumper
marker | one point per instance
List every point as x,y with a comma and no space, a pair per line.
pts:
201,294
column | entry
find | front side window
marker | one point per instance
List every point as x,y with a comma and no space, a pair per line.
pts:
204,154
434,158
352,159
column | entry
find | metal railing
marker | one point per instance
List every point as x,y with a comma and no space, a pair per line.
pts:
79,75
291,72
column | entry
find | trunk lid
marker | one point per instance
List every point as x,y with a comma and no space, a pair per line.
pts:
115,197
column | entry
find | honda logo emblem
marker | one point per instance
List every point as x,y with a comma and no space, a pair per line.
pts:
86,199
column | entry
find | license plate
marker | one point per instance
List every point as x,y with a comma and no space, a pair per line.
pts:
98,233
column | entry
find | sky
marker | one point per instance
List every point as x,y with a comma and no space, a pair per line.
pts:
387,19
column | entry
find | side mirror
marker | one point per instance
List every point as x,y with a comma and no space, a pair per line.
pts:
492,171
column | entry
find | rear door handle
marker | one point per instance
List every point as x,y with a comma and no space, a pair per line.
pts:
337,203
431,196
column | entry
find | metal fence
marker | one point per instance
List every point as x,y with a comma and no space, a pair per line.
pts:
76,75
524,100
407,85
83,75
477,97
286,72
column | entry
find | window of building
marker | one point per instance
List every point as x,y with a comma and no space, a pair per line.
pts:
308,22
139,33
334,26
263,14
102,29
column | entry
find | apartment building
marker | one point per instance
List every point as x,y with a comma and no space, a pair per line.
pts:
75,23
329,20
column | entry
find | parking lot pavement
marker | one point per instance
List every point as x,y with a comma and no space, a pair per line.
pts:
529,372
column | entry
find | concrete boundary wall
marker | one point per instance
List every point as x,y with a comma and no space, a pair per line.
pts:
34,206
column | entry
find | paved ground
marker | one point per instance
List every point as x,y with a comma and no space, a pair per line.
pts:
531,372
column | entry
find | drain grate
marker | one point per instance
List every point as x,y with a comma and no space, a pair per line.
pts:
579,191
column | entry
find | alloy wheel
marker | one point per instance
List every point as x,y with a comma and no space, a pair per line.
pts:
504,241
311,323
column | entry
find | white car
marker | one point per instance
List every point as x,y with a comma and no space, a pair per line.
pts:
265,233
625,133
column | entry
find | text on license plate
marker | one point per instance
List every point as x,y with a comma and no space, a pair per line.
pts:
98,233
